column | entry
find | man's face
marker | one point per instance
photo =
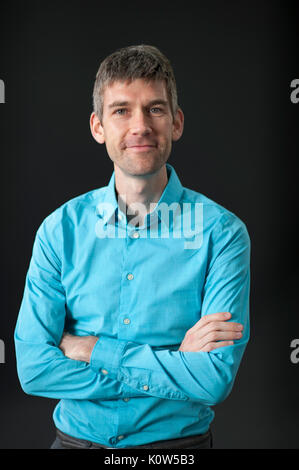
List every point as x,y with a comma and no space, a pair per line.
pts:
137,125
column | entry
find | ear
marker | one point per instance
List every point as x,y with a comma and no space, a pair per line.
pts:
96,128
178,125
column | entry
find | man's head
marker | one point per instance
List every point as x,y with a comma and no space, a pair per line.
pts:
136,113
130,63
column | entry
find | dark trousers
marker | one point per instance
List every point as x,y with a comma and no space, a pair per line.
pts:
200,441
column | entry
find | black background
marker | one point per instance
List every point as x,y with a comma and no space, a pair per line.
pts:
234,62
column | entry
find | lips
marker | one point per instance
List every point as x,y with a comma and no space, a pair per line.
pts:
140,149
141,146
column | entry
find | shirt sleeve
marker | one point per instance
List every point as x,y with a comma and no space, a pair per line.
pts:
205,377
42,367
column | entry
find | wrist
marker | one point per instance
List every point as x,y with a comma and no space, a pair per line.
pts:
90,342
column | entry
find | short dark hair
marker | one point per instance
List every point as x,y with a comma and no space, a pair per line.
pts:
130,63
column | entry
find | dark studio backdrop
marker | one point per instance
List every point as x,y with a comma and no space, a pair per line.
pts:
234,63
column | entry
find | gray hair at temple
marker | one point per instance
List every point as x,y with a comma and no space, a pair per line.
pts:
130,63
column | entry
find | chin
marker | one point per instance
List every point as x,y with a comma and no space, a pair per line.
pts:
144,170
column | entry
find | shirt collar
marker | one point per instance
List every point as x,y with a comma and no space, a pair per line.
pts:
172,193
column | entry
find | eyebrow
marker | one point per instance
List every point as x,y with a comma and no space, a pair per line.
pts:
117,104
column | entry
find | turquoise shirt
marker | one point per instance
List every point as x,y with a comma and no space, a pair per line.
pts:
139,289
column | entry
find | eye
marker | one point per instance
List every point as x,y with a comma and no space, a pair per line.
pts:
120,111
156,110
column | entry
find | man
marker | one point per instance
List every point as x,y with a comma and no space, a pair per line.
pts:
135,311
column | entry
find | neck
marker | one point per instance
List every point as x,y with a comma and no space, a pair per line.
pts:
140,193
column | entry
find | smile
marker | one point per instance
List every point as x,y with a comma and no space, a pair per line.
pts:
141,148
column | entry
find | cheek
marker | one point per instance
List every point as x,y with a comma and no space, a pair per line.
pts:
116,132
114,140
167,136
111,135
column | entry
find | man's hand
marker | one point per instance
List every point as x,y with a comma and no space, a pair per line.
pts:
211,332
78,348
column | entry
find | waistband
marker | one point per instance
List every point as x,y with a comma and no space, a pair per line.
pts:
203,441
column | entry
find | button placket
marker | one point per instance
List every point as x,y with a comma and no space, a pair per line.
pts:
135,235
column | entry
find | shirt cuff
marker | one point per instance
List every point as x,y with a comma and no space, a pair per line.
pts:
106,355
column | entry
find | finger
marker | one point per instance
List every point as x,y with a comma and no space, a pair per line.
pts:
214,345
214,327
219,336
219,316
218,326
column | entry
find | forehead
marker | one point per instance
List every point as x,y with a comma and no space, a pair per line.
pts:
135,90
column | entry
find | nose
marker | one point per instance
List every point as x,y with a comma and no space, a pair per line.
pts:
140,124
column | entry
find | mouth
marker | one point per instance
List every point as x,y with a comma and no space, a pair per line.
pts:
141,148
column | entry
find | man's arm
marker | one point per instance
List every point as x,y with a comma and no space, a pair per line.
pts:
42,367
207,375
209,333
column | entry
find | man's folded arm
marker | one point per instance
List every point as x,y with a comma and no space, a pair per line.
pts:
206,377
42,367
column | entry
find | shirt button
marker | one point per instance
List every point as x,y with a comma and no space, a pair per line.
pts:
104,371
130,277
126,399
127,321
135,235
119,438
145,387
